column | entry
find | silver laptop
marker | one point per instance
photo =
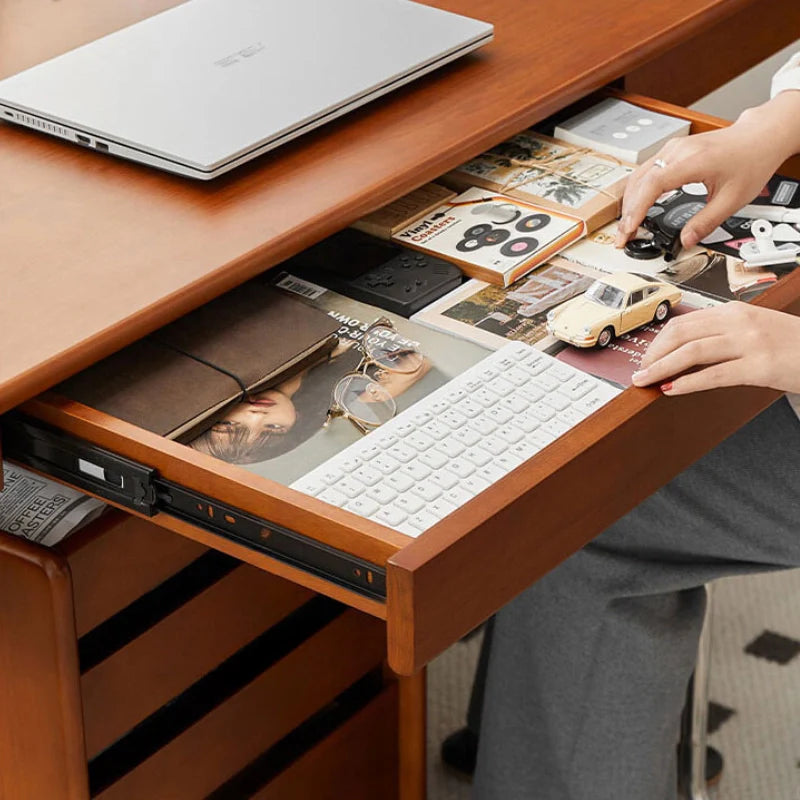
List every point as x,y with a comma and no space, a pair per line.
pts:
210,84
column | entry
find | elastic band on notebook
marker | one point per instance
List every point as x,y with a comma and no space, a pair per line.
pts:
233,376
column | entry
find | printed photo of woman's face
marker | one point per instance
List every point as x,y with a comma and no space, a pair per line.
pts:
269,412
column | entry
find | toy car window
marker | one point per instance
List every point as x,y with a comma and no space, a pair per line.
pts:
606,295
636,297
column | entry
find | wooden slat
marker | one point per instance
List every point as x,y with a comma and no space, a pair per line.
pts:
72,226
358,761
412,725
701,64
118,558
41,736
235,733
157,666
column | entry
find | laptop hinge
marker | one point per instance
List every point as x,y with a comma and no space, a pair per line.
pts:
139,488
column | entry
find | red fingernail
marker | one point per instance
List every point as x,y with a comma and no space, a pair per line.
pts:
666,387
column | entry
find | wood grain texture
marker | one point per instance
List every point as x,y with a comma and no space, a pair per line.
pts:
109,250
169,657
358,761
41,733
251,721
412,728
696,67
118,558
548,508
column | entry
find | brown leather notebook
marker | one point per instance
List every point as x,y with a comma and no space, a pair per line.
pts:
179,379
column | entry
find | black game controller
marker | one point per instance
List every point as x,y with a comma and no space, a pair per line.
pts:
381,273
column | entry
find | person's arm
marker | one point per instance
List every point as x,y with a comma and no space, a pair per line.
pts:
732,344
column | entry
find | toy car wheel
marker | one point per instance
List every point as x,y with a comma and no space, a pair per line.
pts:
605,337
662,312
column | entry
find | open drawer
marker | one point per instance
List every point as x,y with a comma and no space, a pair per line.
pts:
433,589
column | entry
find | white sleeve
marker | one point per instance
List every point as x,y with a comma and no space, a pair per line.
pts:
788,76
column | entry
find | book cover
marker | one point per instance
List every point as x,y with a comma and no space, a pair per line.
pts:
493,237
176,380
284,437
622,129
395,216
494,315
551,173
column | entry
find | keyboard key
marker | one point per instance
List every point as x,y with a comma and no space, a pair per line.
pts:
410,503
456,395
499,415
486,398
571,416
416,471
531,392
451,448
494,445
363,506
510,433
478,456
527,423
422,521
420,441
350,487
484,426
515,404
541,438
385,464
500,386
382,494
433,458
436,430
311,486
369,451
561,372
541,412
467,436
421,418
386,440
555,427
367,476
439,407
547,383
333,497
457,496
453,419
469,408
403,429
556,400
536,363
444,479
349,464
391,516
440,508
462,467
474,484
578,387
472,384
427,491
508,461
590,403
525,449
506,363
487,374
517,376
401,452
491,473
400,481
330,476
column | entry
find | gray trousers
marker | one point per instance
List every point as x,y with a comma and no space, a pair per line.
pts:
588,668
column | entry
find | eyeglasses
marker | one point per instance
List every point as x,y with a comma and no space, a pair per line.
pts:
360,396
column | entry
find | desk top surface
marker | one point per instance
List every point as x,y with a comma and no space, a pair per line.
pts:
95,252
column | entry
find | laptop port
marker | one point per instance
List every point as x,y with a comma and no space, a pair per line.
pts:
101,146
83,139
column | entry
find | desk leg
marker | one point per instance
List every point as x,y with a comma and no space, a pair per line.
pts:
412,738
41,728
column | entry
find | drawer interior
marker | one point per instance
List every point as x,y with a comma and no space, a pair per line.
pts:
516,530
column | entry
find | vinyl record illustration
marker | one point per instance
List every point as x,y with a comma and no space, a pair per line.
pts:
533,222
517,248
477,230
468,245
495,236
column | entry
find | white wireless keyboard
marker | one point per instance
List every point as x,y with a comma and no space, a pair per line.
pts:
448,447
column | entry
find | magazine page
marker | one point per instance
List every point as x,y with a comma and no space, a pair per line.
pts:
280,433
494,315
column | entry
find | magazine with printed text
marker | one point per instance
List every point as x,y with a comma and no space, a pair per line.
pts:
281,434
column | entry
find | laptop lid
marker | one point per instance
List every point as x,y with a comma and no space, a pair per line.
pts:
210,84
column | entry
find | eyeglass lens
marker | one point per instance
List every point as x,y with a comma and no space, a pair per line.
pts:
364,399
381,347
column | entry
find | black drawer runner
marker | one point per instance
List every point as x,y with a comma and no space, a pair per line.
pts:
139,488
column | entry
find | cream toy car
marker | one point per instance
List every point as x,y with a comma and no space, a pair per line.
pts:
613,306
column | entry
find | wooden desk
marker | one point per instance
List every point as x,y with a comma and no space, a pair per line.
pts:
96,253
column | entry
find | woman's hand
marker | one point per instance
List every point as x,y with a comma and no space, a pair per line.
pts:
734,163
734,344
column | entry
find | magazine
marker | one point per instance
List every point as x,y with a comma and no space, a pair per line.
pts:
280,434
494,315
619,360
